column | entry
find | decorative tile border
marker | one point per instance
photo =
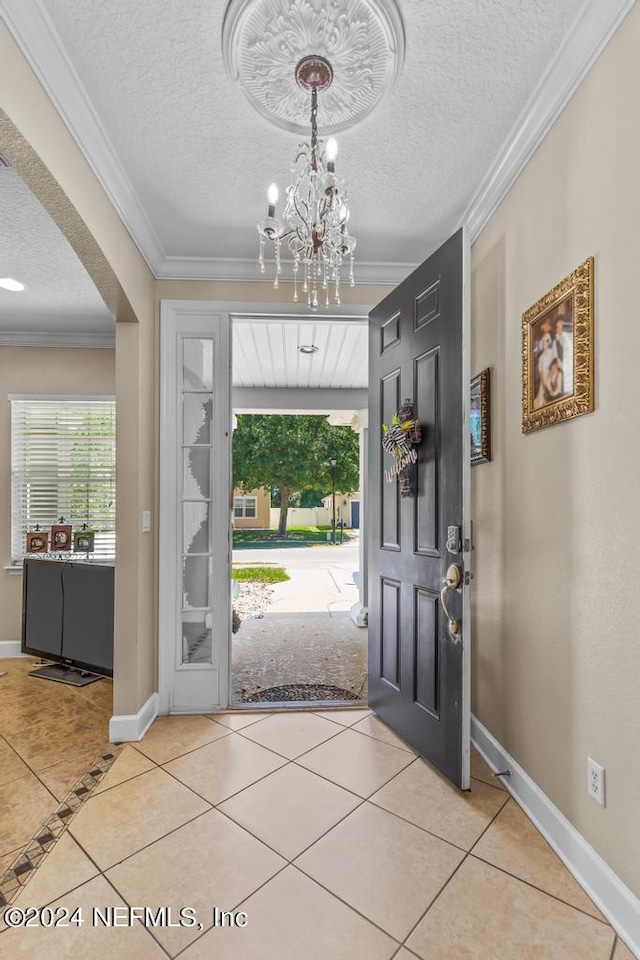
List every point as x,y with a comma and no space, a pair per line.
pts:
35,852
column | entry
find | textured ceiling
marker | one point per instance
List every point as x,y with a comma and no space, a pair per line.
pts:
60,296
199,157
266,353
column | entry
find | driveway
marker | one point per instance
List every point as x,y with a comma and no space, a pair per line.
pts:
321,576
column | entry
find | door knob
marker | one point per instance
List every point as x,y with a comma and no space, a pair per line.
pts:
452,581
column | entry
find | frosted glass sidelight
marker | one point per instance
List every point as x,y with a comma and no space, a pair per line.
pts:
196,582
197,364
197,473
196,638
197,405
197,411
196,536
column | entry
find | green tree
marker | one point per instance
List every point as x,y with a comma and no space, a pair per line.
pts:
293,453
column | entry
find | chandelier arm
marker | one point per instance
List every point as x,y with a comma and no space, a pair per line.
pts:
302,214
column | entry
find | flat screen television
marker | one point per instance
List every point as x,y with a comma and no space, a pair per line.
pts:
67,617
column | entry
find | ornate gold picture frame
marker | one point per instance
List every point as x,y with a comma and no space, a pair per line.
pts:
557,352
480,418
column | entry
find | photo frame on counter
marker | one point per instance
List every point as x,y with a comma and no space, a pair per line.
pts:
83,541
61,537
37,541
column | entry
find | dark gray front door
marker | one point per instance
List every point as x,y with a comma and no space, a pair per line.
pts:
418,668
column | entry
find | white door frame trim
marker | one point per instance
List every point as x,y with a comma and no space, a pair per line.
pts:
230,310
205,319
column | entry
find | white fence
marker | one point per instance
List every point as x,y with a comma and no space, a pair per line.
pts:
307,516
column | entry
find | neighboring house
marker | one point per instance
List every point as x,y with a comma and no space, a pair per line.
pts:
251,509
347,509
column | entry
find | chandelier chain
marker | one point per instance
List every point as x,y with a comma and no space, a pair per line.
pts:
314,121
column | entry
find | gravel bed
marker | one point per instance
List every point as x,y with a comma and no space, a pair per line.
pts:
253,600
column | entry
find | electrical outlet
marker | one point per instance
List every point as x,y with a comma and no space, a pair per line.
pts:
595,782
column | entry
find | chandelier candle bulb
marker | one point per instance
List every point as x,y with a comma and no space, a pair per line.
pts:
272,198
331,153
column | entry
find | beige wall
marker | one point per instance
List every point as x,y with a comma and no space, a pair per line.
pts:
27,105
45,371
259,291
556,603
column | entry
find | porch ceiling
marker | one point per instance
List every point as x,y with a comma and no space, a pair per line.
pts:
266,353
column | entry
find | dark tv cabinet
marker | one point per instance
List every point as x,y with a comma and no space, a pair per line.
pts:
67,618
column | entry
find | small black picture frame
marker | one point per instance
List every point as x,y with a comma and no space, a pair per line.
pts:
480,418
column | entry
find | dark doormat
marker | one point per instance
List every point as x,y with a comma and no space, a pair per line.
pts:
296,692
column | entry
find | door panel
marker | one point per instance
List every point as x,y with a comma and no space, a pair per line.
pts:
390,500
418,670
390,631
427,613
425,505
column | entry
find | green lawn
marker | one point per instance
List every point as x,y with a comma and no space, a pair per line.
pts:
293,535
261,574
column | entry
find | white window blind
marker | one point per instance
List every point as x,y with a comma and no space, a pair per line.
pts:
63,460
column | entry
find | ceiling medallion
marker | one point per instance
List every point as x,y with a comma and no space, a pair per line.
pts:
362,40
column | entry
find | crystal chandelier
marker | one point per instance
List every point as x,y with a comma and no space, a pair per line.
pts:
316,213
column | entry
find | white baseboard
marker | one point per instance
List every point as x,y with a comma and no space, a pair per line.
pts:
618,904
128,727
10,648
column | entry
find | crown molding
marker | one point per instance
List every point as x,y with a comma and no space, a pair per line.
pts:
594,26
35,34
219,268
32,338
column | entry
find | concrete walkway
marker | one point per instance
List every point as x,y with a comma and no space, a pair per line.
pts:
306,636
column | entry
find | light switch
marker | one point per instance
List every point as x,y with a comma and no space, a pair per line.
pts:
146,521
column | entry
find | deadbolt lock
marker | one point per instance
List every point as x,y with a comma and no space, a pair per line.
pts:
453,540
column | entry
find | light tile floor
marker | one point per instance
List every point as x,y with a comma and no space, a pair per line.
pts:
50,734
334,838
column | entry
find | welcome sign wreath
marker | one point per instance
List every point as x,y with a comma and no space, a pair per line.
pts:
399,439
